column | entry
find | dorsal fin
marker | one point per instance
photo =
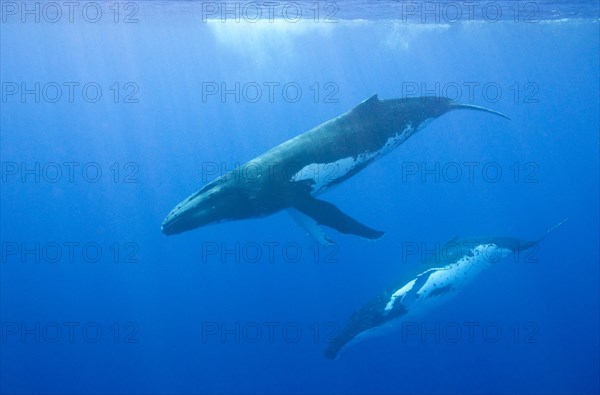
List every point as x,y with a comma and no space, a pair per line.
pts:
367,104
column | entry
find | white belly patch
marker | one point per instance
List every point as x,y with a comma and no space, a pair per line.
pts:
448,279
324,174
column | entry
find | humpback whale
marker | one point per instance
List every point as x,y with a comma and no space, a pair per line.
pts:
290,175
464,260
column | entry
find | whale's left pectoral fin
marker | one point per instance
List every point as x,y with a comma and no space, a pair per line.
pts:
328,214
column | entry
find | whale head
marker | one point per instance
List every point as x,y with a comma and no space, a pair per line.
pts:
228,197
199,209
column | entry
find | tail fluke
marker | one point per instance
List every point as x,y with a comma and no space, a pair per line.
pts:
477,108
531,244
552,229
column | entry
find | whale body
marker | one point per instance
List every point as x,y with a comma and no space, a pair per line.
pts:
291,175
464,260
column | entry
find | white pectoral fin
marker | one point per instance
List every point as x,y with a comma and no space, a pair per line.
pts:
310,226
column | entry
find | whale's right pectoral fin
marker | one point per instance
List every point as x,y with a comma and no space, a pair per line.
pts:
328,214
311,227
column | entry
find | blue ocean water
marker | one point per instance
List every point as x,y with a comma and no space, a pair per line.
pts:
112,113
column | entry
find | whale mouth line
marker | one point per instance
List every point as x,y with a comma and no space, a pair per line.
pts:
169,223
165,229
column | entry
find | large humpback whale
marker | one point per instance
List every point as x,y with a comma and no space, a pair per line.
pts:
293,173
464,260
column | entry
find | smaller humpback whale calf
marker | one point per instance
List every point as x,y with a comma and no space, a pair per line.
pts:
463,261
290,175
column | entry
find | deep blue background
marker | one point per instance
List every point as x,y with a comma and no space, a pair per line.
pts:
170,133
